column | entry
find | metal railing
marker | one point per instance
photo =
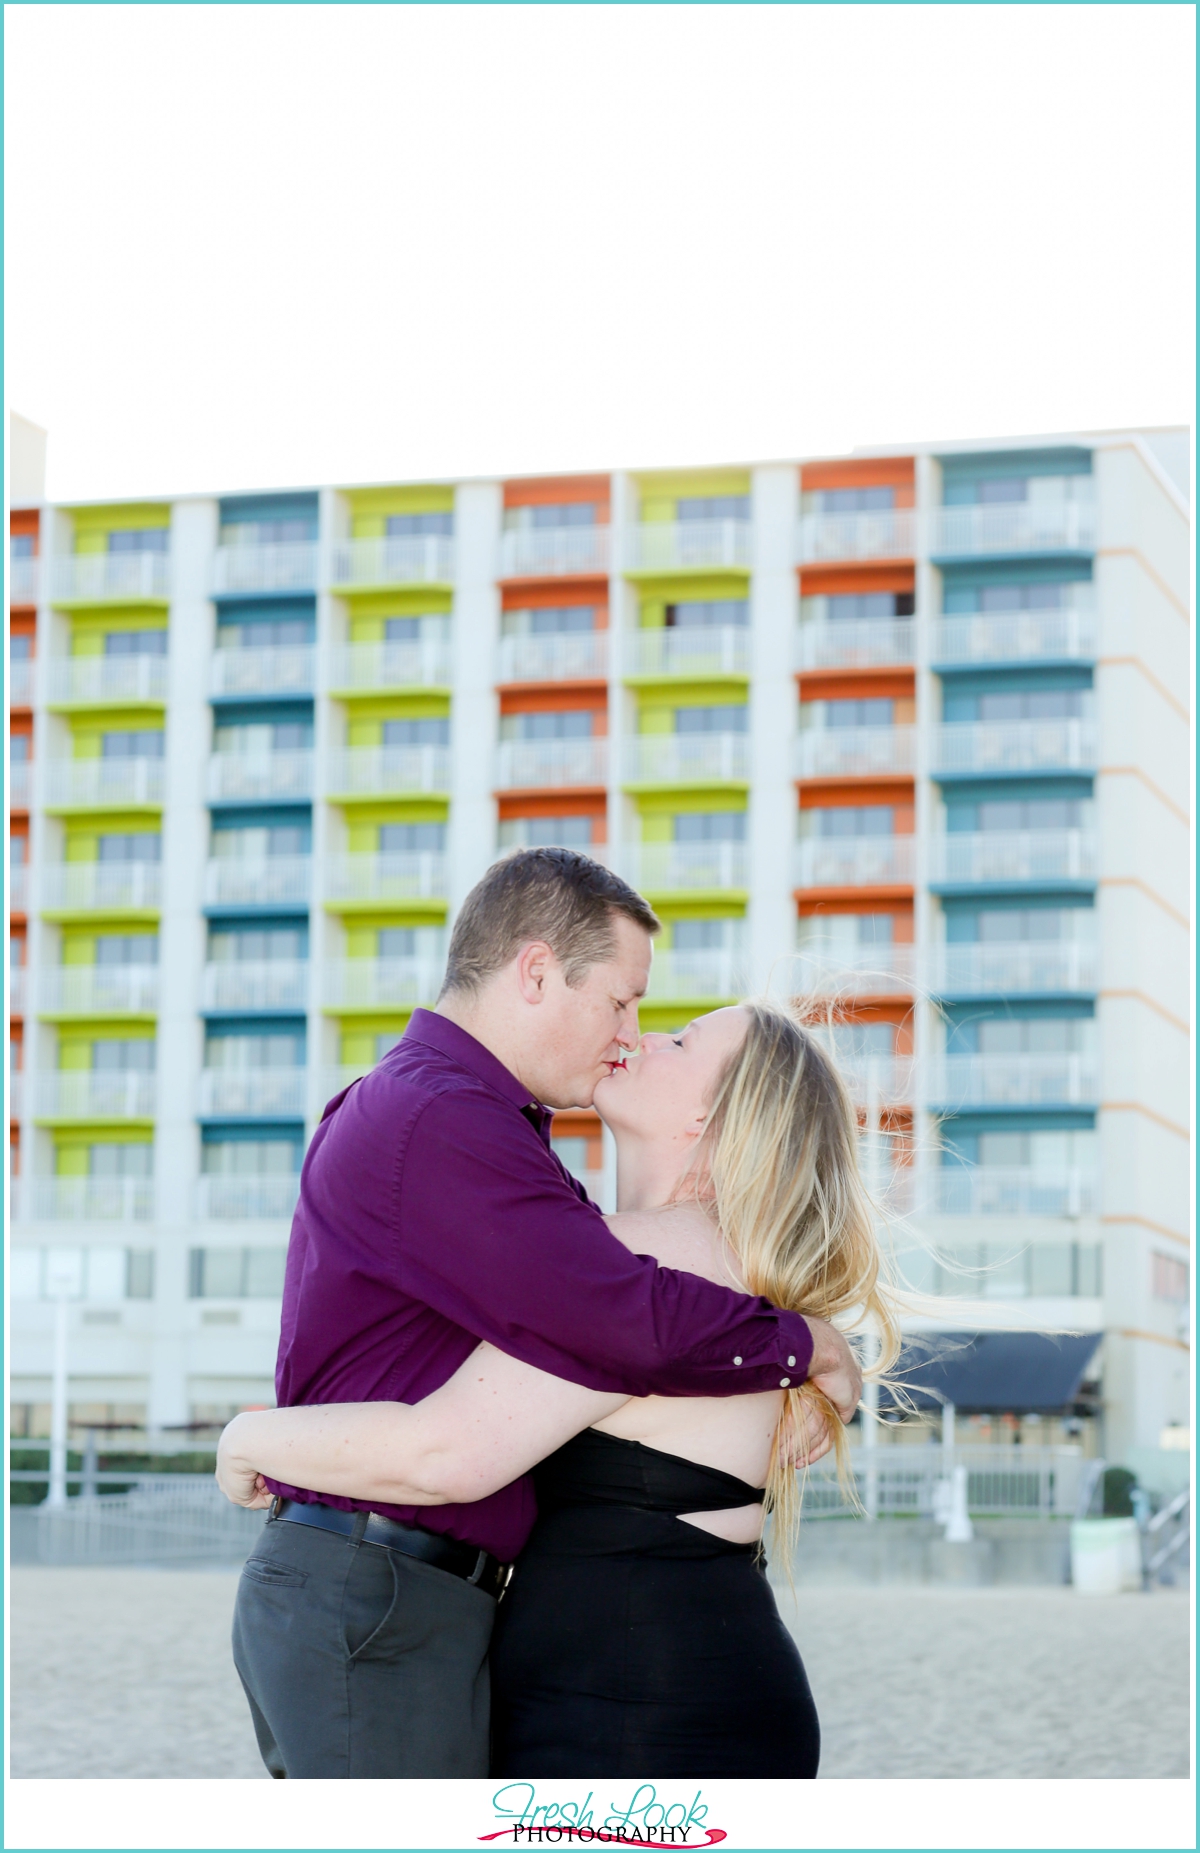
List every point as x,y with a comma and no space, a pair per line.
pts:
658,546
1014,527
522,765
686,653
1015,746
277,566
1010,1190
246,1092
98,990
682,866
1014,856
395,559
20,782
258,881
1014,1080
687,758
83,1199
102,784
1015,966
557,657
368,770
81,578
830,752
87,679
166,1518
417,662
246,1199
1017,636
90,1094
902,1480
99,886
286,774
23,577
855,643
532,551
16,1088
855,861
18,988
721,973
868,971
20,681
273,669
1167,1540
18,887
874,534
390,877
255,984
388,984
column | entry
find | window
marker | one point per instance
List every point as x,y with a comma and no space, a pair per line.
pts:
549,621
21,546
724,719
1032,924
129,846
571,1150
250,1158
845,936
20,647
115,1161
126,949
858,501
709,827
1004,489
1170,1278
412,839
120,1055
255,841
1029,704
870,605
713,508
259,945
1023,814
135,643
874,712
272,633
429,626
853,820
139,540
19,748
263,737
441,522
18,851
1020,597
396,943
236,1273
863,1042
94,1273
704,935
385,1041
563,515
1026,1035
433,730
709,614
549,724
293,530
133,743
237,1054
545,833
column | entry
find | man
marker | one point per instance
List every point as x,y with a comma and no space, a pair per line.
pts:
433,1214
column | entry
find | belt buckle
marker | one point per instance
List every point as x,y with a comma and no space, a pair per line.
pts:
480,1567
506,1572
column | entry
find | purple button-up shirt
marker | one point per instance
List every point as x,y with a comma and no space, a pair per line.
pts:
433,1214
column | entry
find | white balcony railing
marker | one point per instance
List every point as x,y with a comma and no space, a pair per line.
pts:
687,758
83,1199
91,1094
100,887
20,783
86,578
536,551
522,765
373,770
20,681
272,670
879,1080
830,752
98,990
687,652
18,989
1014,527
389,877
721,973
18,887
659,546
16,1091
1040,1080
255,984
395,559
287,774
23,577
865,971
279,566
1015,746
246,1199
389,984
1010,1190
1017,636
257,881
855,643
666,867
94,679
1015,966
270,1092
876,534
559,657
102,784
419,662
855,861
1014,856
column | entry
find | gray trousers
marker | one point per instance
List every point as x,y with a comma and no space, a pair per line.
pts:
360,1662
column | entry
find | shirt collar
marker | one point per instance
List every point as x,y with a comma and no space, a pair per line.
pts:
448,1039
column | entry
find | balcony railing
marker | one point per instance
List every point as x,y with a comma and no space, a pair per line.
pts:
257,881
16,1092
1017,636
20,681
553,550
855,861
721,973
1014,856
1010,1190
390,877
102,784
389,984
1014,527
879,534
100,887
879,1080
246,1199
374,770
1015,966
522,765
255,984
831,752
261,775
855,643
244,1092
403,663
23,576
569,656
93,679
91,1094
83,1199
273,670
18,989
1015,746
18,887
395,559
689,653
687,758
98,990
865,971
86,578
20,783
1014,1080
280,566
660,546
664,867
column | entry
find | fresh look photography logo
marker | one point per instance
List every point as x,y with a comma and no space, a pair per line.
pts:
646,1820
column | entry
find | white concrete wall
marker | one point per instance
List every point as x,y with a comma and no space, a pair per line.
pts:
473,731
771,825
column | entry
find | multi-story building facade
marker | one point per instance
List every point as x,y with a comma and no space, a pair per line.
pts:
904,733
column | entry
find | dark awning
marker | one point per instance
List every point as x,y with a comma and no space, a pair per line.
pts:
997,1373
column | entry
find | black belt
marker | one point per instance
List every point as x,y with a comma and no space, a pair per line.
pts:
477,1567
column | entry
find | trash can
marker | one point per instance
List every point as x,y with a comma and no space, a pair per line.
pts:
1106,1556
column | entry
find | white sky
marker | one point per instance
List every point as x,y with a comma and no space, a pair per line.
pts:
252,246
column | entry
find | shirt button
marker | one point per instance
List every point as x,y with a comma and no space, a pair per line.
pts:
783,1382
737,1360
791,1363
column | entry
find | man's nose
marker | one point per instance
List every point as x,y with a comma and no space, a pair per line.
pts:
629,1036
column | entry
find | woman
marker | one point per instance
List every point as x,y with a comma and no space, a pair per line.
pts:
639,1632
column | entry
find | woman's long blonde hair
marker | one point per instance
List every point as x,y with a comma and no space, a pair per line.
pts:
778,1168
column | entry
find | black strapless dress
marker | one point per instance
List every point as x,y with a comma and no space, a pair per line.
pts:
632,1644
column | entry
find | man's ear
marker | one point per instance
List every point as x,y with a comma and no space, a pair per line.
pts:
533,968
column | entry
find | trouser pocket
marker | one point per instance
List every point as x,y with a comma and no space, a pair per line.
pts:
368,1600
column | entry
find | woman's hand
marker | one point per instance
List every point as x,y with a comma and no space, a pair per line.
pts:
237,1478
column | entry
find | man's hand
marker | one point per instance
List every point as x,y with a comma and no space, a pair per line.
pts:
237,1479
812,1437
834,1370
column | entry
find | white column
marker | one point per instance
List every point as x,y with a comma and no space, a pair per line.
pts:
926,1031
774,593
333,525
473,731
621,832
59,1414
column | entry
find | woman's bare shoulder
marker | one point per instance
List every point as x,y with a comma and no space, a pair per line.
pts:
680,1237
